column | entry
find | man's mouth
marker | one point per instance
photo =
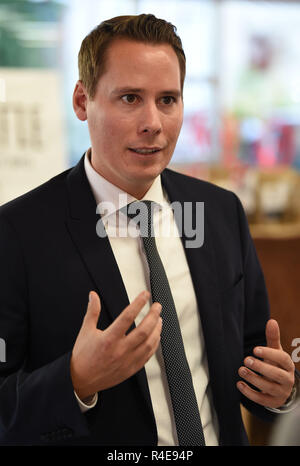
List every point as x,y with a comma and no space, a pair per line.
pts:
145,150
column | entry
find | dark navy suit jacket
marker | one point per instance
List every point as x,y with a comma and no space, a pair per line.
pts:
51,257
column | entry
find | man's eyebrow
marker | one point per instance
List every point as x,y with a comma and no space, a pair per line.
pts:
174,92
134,90
126,90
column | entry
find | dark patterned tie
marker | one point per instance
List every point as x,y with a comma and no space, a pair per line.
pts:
185,408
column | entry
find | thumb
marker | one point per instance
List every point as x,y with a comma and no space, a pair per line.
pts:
273,334
93,311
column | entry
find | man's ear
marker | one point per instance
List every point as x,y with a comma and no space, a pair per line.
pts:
80,98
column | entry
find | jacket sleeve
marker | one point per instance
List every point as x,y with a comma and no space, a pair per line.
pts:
38,406
257,311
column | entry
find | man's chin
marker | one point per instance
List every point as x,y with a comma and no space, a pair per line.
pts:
147,175
138,184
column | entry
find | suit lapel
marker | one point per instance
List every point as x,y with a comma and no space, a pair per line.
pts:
96,252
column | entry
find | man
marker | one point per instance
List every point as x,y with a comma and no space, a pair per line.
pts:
101,377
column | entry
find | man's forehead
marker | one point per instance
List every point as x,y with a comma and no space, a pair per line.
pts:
138,59
137,51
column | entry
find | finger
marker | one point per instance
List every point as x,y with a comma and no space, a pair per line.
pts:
145,328
265,386
145,350
93,311
273,334
271,372
253,395
275,356
124,321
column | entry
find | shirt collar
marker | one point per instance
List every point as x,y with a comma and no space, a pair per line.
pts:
106,192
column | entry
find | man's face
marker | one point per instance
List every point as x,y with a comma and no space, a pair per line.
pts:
136,115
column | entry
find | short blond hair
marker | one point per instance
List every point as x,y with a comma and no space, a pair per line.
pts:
141,28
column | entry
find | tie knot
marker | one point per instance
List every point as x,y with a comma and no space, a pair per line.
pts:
142,214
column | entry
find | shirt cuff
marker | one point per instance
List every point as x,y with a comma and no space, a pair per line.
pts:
291,402
88,404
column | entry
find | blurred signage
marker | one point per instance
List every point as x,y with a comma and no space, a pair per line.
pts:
32,142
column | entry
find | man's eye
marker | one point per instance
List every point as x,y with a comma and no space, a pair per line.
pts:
168,100
129,98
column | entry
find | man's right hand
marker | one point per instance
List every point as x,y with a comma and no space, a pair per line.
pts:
104,358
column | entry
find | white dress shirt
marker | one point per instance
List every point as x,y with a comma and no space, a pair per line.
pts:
130,256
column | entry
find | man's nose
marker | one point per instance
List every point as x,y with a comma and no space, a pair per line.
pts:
150,119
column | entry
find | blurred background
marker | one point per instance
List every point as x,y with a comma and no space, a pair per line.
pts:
242,115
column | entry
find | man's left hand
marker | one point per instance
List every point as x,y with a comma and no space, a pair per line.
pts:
272,373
